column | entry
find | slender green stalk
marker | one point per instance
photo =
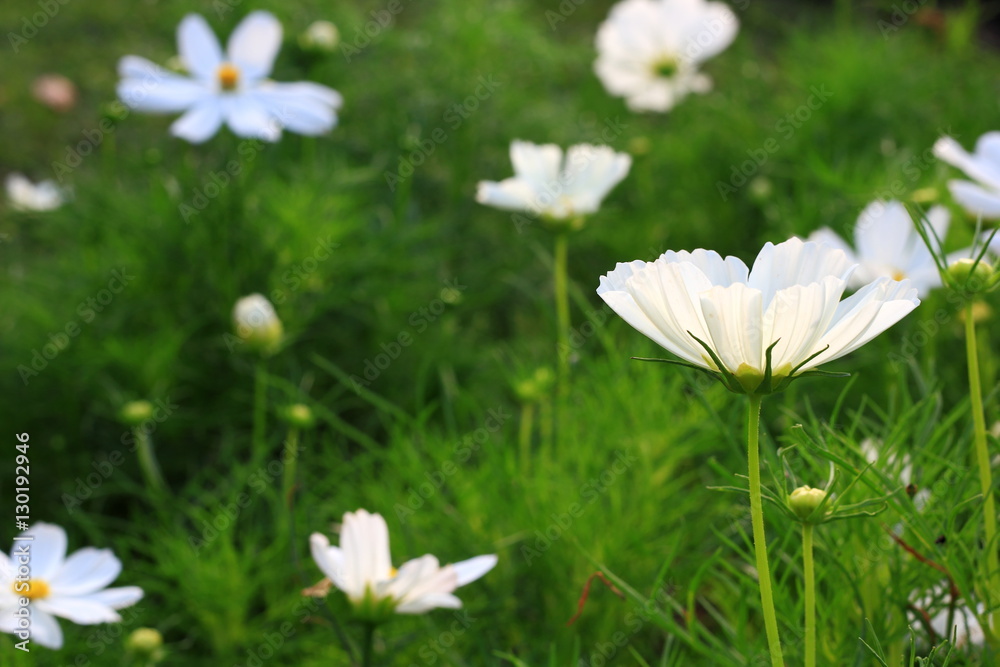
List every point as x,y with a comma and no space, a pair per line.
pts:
810,575
759,542
983,459
259,442
561,286
147,461
524,437
369,649
290,460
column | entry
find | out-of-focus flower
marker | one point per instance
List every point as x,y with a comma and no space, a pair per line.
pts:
755,329
361,568
649,51
547,185
229,87
27,196
257,324
320,36
981,196
964,620
54,91
146,644
888,244
75,588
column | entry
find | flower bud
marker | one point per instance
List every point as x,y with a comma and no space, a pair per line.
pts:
320,36
804,501
257,323
147,643
134,413
968,274
299,415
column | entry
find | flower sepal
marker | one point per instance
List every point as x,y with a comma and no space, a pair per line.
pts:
972,276
748,380
374,609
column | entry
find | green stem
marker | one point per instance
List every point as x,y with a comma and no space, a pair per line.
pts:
259,411
983,459
291,459
524,437
147,461
369,650
561,286
759,542
810,575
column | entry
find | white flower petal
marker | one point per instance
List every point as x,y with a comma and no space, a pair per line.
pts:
254,44
984,168
467,571
733,317
146,86
198,47
200,123
428,602
590,174
299,113
115,598
510,195
45,630
364,539
47,550
536,164
85,571
329,559
975,198
798,317
79,610
795,262
249,118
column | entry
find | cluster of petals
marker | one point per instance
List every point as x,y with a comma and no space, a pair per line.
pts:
361,567
549,184
649,51
228,86
981,195
710,310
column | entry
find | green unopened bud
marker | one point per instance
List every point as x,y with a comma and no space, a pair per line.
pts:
134,413
804,501
299,415
257,323
970,275
147,643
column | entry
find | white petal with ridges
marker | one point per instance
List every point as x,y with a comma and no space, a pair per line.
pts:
733,317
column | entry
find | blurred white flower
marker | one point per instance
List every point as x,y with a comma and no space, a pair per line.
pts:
648,51
27,196
888,244
790,303
547,185
893,465
257,324
320,36
228,87
981,197
74,588
361,568
964,620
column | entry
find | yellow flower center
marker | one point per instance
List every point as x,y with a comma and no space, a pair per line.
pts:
898,275
36,589
393,572
665,67
228,75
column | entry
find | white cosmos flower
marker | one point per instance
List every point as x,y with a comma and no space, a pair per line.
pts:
74,588
27,196
648,51
981,196
362,569
228,87
547,185
790,302
888,244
